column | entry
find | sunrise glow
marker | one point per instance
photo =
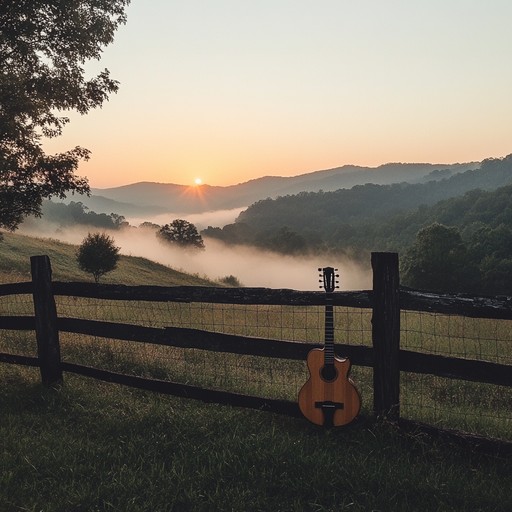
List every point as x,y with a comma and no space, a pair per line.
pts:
407,82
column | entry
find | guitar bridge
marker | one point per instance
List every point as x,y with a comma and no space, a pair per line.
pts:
328,404
329,408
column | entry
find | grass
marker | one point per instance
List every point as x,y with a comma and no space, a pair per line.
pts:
92,446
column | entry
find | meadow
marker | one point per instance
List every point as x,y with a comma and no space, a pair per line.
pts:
95,446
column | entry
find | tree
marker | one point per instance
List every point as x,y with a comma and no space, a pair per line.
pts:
44,45
282,240
97,255
149,225
181,233
438,261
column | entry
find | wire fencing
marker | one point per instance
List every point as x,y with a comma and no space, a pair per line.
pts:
474,407
273,377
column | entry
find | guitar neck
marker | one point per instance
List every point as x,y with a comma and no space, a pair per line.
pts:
329,330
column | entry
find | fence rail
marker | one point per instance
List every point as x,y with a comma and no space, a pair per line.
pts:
384,356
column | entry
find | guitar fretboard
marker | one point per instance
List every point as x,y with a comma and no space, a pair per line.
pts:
329,331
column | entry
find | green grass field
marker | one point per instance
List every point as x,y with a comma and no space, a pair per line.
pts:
92,446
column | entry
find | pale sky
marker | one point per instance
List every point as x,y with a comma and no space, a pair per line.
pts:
230,90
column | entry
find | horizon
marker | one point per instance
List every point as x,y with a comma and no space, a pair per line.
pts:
230,91
201,183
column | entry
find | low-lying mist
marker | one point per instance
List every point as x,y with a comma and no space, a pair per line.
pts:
200,220
252,267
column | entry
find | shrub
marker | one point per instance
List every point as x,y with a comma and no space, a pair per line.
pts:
97,255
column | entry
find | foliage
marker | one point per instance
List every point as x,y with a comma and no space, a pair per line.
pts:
149,225
76,213
437,261
231,280
182,234
97,255
43,48
238,233
363,205
283,240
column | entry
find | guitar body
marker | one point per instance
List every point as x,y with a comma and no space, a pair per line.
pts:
334,402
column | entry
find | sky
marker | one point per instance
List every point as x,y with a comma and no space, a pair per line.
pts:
225,91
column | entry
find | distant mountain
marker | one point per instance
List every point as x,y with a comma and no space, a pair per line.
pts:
147,198
314,211
375,217
101,204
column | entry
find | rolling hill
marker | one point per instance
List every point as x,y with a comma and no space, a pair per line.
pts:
147,198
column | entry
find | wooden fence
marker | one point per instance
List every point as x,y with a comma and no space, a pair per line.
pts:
385,356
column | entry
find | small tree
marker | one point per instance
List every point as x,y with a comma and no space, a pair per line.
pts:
97,255
181,233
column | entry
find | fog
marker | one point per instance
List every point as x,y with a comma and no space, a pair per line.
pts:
200,220
252,267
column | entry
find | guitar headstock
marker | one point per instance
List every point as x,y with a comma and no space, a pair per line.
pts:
329,278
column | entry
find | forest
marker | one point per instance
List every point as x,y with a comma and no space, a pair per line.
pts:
453,235
77,213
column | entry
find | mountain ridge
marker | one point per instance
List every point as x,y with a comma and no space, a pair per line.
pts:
147,198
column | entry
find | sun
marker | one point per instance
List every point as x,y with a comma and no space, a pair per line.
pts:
198,181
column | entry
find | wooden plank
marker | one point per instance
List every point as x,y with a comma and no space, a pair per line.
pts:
187,391
220,342
386,335
17,359
126,332
464,305
18,323
263,296
16,288
207,340
456,368
47,334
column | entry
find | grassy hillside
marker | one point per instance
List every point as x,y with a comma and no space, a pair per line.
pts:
15,252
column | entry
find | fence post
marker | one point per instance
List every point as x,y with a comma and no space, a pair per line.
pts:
386,335
47,334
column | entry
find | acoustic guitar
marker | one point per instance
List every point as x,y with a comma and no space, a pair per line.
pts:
329,397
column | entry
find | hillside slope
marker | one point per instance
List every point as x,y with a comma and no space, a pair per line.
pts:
15,252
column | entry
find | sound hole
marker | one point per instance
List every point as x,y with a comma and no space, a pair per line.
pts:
328,372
